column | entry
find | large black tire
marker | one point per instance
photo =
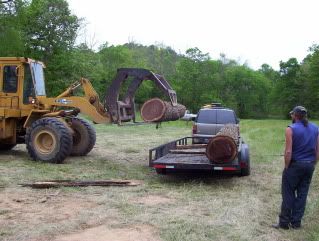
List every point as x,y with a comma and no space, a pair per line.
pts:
84,137
48,140
246,158
6,147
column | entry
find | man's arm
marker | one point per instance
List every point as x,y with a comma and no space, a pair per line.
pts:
288,147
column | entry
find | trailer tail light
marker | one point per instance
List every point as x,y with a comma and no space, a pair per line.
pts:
163,166
194,129
229,169
225,168
159,166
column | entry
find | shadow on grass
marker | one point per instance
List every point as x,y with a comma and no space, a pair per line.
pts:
15,153
180,177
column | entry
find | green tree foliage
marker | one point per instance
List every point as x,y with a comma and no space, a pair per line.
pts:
195,79
246,91
50,28
41,29
50,32
297,84
287,92
11,34
46,30
309,78
269,73
200,80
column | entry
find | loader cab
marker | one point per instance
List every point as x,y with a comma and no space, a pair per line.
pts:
9,85
21,81
33,83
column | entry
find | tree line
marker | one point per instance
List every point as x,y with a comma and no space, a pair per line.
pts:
46,30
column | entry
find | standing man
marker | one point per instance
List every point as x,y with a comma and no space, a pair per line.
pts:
301,155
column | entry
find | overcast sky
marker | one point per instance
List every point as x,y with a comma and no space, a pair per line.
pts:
251,31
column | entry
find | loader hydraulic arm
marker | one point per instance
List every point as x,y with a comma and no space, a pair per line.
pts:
113,110
89,104
124,110
89,94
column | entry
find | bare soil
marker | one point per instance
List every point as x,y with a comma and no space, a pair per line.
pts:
105,233
153,200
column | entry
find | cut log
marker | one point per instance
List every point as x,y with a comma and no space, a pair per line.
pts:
69,183
224,146
157,110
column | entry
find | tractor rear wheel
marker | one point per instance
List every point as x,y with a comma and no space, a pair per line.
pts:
6,147
84,137
48,140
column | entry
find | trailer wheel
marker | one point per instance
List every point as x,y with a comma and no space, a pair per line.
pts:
6,147
84,137
48,140
160,171
245,171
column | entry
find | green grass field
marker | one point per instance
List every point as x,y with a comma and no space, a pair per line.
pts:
173,207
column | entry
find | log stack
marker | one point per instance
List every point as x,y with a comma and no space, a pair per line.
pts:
157,110
223,147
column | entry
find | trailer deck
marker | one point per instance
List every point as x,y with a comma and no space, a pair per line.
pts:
181,154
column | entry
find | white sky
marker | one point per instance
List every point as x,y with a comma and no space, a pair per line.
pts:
251,31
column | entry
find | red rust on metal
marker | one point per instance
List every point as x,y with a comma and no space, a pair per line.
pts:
123,109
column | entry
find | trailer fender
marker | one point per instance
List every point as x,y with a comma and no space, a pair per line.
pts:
245,160
244,154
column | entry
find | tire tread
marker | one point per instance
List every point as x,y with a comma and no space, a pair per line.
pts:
91,138
65,139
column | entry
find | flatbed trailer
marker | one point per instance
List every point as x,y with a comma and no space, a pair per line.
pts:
182,154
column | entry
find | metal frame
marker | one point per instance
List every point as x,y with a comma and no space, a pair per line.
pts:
124,110
198,162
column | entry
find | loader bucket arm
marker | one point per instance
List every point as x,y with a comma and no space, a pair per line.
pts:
124,110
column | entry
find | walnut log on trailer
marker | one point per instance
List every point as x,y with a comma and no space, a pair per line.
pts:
223,146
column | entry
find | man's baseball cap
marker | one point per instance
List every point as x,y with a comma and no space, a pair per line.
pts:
299,110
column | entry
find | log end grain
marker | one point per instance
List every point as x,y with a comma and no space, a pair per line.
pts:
221,149
153,110
157,110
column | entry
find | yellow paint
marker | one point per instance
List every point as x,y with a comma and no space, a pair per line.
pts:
13,112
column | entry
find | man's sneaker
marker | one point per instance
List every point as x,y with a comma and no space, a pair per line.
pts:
279,225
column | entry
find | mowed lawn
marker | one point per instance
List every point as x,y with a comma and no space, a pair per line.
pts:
174,207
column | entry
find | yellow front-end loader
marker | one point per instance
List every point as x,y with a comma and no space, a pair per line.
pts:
50,127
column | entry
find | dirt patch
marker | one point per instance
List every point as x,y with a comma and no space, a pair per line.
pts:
31,207
152,200
104,233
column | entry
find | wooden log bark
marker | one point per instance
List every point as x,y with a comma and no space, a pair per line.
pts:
157,110
224,146
69,183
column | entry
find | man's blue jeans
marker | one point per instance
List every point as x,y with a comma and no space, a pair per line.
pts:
296,180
